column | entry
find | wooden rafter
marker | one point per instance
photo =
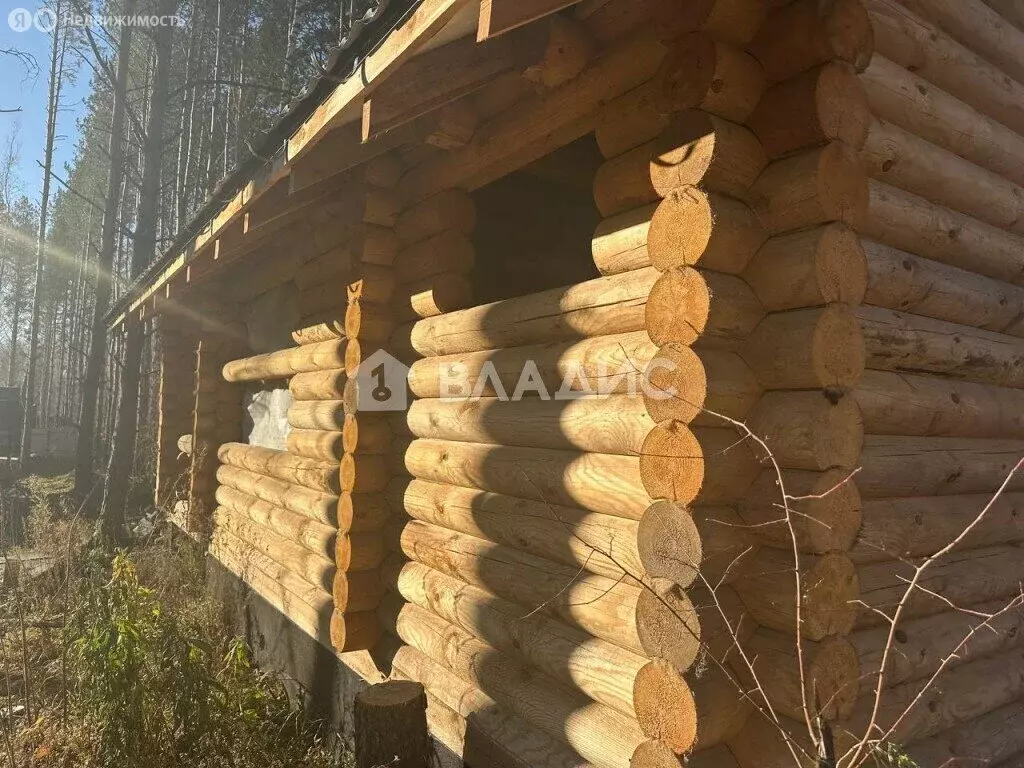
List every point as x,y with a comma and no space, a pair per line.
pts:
500,16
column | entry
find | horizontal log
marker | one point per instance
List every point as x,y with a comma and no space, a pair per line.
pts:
809,430
707,74
919,45
902,220
367,433
316,444
921,526
364,473
598,307
605,608
693,227
686,305
898,157
668,543
322,507
286,362
807,349
813,187
924,643
620,242
898,341
308,608
354,631
315,569
963,577
830,586
597,482
730,465
698,147
980,28
936,466
433,296
911,102
309,473
804,34
823,104
624,182
617,424
811,268
601,365
315,536
320,415
899,280
359,559
991,737
333,266
632,119
449,251
368,323
602,736
374,284
602,544
732,391
318,385
369,512
734,21
451,209
830,675
520,743
604,672
967,692
925,406
314,330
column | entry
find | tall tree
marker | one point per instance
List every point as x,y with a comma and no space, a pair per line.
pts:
84,455
143,251
57,49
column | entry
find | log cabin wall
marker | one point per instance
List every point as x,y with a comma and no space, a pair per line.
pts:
813,212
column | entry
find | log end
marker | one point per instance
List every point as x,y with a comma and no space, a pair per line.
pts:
835,678
850,33
654,754
837,350
669,544
680,229
664,704
678,307
676,384
672,463
831,588
843,185
686,75
667,623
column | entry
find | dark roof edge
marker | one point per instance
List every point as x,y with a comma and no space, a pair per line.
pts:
383,18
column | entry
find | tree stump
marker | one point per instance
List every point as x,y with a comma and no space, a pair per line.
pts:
391,726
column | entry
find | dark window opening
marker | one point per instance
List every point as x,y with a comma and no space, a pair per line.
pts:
535,225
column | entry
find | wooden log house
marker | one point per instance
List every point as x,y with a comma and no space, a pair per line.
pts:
814,211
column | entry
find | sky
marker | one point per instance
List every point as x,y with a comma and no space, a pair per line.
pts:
19,89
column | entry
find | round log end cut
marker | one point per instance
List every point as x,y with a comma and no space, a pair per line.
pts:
687,74
681,229
654,754
678,306
842,185
850,34
835,678
669,543
664,704
831,587
676,384
667,623
841,266
837,350
700,148
672,463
